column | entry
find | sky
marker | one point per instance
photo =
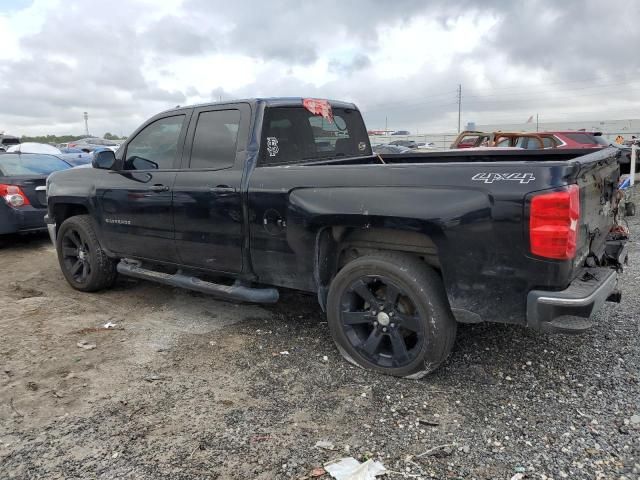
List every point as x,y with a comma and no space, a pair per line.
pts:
400,61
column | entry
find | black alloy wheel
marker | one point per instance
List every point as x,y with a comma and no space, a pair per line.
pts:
75,255
389,312
381,322
83,262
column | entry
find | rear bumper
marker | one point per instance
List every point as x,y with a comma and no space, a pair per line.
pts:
568,311
24,219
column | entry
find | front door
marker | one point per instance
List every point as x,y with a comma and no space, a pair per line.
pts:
135,202
207,200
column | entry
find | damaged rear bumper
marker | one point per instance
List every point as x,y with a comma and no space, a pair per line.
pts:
569,310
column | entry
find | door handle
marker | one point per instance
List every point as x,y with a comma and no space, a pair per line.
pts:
222,189
159,188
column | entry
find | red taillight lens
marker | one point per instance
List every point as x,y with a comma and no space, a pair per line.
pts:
13,195
553,223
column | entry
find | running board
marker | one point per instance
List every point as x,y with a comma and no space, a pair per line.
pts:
235,292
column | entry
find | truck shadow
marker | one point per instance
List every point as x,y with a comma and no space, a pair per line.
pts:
24,241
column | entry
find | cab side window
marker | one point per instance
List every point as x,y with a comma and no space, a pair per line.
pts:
215,139
156,146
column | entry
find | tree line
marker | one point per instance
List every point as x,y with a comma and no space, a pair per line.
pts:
55,139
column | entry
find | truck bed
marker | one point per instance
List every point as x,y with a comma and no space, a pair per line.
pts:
473,156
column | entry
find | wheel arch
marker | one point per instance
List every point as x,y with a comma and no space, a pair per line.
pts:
61,210
337,245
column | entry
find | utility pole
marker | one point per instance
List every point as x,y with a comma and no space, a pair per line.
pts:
537,124
386,125
86,123
459,105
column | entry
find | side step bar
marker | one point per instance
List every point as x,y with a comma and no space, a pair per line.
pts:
235,292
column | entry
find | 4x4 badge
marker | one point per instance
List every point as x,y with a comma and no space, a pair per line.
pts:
496,177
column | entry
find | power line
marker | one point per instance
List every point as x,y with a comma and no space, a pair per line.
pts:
599,87
525,89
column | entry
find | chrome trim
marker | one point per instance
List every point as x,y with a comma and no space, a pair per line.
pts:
41,188
602,292
52,233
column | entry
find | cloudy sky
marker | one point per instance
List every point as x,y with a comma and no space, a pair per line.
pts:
401,61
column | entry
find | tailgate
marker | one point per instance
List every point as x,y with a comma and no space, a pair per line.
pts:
598,181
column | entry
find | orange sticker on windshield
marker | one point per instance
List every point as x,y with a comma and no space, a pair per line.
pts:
319,107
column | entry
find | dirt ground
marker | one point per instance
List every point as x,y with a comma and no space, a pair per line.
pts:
188,387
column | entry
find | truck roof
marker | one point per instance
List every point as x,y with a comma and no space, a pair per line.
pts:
269,102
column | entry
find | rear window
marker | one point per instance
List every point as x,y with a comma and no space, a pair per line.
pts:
30,164
582,138
293,134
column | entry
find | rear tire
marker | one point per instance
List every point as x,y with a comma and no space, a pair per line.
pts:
389,312
83,262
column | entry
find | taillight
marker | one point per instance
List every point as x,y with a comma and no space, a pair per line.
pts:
553,223
13,195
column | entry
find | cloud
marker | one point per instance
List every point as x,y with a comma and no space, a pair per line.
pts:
400,61
359,61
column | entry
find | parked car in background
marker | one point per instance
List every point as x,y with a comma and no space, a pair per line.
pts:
426,145
34,147
23,196
470,139
7,141
75,156
405,143
89,144
579,139
531,140
401,132
390,149
526,141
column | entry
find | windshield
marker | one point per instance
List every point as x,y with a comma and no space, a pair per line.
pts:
30,164
294,134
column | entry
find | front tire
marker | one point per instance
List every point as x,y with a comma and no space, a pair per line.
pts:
83,262
389,312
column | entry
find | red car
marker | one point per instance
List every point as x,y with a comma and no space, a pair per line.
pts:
579,139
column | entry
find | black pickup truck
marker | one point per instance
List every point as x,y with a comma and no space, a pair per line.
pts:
238,198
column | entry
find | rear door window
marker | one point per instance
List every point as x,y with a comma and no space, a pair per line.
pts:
215,139
293,134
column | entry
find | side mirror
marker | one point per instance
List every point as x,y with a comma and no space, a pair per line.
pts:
103,158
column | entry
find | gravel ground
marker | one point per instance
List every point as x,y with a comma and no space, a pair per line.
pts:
187,387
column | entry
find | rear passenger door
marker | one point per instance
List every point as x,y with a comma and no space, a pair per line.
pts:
207,201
